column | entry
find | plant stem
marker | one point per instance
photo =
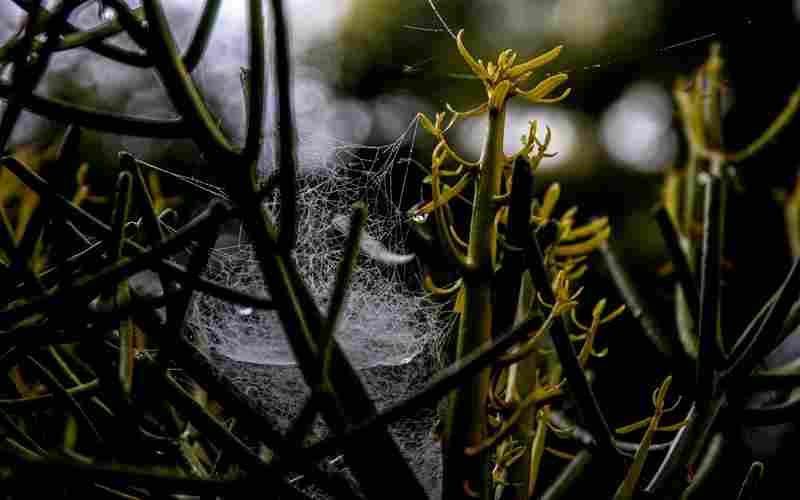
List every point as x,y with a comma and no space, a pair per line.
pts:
711,353
514,291
522,381
467,476
687,444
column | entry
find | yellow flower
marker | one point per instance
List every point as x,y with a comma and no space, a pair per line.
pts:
503,79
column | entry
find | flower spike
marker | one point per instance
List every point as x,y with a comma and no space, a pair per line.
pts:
477,68
534,63
544,88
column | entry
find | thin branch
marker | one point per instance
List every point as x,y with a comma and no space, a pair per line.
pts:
42,187
198,366
29,66
770,331
636,304
751,481
679,261
218,433
61,392
711,353
445,381
584,397
569,477
87,287
156,480
780,413
180,87
202,34
708,465
256,91
40,401
115,123
287,162
344,274
92,40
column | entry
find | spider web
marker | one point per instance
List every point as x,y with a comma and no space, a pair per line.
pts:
388,329
384,322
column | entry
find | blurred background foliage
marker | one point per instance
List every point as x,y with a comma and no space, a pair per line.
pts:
615,135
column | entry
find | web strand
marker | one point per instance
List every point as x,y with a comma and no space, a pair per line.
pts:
441,19
614,61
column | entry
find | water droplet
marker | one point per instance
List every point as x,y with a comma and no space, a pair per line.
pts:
107,14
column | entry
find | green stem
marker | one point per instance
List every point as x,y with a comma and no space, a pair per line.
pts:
514,291
708,466
570,476
751,480
687,445
467,476
522,381
711,352
687,332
